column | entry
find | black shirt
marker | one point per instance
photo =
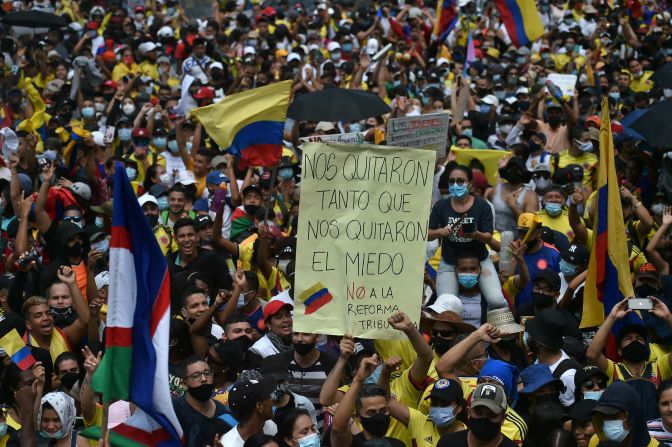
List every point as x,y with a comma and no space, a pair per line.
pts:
479,214
198,429
209,264
459,439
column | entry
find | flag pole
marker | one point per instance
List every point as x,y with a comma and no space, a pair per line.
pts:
271,193
104,432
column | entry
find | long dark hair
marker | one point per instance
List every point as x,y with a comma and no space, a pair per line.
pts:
286,425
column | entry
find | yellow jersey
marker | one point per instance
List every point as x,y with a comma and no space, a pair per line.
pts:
587,160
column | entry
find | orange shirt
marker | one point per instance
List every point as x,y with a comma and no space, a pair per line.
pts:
81,275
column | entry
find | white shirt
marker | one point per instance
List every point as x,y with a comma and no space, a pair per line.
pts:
566,398
232,437
264,347
471,309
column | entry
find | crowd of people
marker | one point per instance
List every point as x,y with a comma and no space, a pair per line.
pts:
498,357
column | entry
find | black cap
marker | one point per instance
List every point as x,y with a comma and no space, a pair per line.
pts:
277,367
582,411
230,352
550,276
547,328
202,221
586,373
576,254
245,394
447,390
251,188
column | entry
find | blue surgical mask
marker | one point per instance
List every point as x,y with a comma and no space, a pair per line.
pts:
442,416
286,173
312,440
592,395
172,146
355,127
467,280
375,375
458,191
485,108
149,89
467,132
347,47
132,173
58,435
163,203
170,11
125,134
99,221
159,142
3,429
567,269
188,145
241,301
553,209
614,430
50,154
102,246
520,60
88,112
615,95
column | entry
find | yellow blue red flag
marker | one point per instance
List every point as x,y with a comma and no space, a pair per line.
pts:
608,279
446,18
521,19
249,125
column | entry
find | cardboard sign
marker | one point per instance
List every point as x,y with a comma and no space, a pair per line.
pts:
423,131
566,83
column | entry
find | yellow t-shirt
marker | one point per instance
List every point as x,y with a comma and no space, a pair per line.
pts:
396,348
270,284
643,84
587,160
660,369
595,441
166,241
423,432
559,223
154,158
97,420
120,70
149,69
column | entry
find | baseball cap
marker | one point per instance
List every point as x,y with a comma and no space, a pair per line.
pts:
202,221
140,132
333,46
204,93
550,276
147,198
217,64
277,367
586,373
446,302
324,126
447,390
245,394
82,190
251,188
490,396
185,178
293,57
576,254
146,47
542,167
165,31
490,100
528,220
273,307
218,160
647,270
215,178
249,50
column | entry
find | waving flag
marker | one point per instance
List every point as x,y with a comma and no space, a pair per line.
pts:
16,349
135,364
471,55
249,125
521,19
446,18
608,280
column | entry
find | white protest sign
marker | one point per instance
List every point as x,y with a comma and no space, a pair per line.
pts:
346,138
426,131
565,83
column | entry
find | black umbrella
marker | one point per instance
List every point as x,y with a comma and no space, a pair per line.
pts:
663,76
654,125
33,19
337,104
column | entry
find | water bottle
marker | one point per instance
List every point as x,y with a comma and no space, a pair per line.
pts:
554,90
504,254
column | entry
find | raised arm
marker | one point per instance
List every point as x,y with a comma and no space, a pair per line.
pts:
329,390
446,367
578,227
87,395
76,331
425,354
217,237
199,328
594,354
652,247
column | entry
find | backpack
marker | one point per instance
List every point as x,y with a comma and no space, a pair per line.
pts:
565,366
645,387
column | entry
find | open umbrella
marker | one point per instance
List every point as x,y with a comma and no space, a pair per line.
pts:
33,19
654,124
627,122
663,76
337,104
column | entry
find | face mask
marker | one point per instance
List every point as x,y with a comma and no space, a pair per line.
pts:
149,90
513,79
102,246
483,428
440,345
347,47
584,147
592,395
166,179
99,106
500,95
128,109
241,301
667,92
304,348
567,269
553,209
615,95
375,375
188,145
377,424
519,61
485,108
3,429
98,221
152,219
252,209
172,146
88,112
74,250
336,56
355,127
69,379
467,280
286,173
132,173
635,352
58,435
645,290
442,416
201,393
523,105
467,132
541,301
542,183
125,134
614,431
637,74
139,17
458,191
658,209
50,154
163,203
505,129
159,142
282,265
554,121
312,440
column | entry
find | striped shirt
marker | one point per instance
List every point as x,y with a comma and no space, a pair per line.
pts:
658,431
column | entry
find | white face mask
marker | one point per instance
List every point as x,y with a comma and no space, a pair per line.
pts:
128,109
505,128
584,147
542,183
658,209
667,92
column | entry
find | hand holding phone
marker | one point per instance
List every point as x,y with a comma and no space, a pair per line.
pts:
640,304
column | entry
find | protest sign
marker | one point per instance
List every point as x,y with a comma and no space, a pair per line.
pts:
361,237
427,131
349,138
566,83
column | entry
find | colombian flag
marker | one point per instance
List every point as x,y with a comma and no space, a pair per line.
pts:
446,18
249,125
521,19
315,297
16,349
608,280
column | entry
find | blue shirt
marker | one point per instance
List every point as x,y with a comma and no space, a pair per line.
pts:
547,257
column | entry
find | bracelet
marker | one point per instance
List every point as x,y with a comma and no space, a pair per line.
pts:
637,205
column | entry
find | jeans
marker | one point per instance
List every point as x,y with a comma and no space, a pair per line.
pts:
488,282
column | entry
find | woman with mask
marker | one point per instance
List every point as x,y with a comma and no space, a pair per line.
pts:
56,420
464,222
514,197
297,430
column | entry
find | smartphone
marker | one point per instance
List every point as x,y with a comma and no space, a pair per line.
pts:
469,227
42,163
640,304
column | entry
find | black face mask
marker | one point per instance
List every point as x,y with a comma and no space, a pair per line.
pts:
541,300
440,345
74,250
552,398
252,209
69,379
523,105
152,220
554,121
635,352
377,424
304,348
202,392
63,317
483,428
482,91
645,290
532,146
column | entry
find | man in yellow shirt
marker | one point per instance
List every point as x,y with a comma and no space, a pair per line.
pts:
149,67
639,79
554,214
580,152
142,154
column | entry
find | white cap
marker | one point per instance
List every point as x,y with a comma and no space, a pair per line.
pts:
293,57
313,47
165,31
372,46
146,47
217,65
414,12
147,198
98,138
75,26
442,60
447,302
82,190
463,3
333,46
97,10
523,91
185,178
53,53
284,297
102,279
249,50
491,100
542,167
324,126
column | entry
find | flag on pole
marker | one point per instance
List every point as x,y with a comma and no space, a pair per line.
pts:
608,280
249,125
135,364
446,18
521,19
16,349
471,55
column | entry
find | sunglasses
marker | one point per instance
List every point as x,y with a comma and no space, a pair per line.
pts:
459,181
443,333
72,219
601,384
541,175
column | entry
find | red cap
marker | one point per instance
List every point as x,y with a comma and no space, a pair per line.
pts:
268,11
205,93
91,25
616,127
140,133
479,180
110,83
272,308
594,119
139,9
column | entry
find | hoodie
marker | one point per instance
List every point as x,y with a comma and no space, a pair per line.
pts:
65,232
622,396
